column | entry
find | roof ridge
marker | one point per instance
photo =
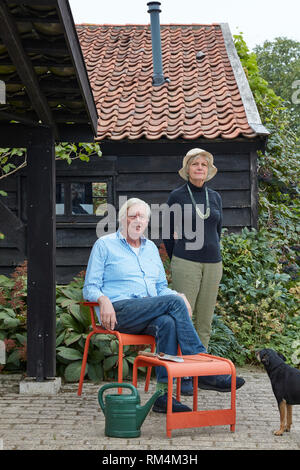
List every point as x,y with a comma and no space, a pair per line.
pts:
147,24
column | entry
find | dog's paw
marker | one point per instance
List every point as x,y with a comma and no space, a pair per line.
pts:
278,433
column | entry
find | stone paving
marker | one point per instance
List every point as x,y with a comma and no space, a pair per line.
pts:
68,422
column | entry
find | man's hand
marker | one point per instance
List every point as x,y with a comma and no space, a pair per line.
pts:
107,313
188,305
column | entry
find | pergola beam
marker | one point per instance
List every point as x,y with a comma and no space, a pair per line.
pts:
19,135
11,39
66,18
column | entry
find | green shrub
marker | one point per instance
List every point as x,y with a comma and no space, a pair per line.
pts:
13,318
257,300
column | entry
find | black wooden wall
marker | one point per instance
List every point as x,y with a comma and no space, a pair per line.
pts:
145,170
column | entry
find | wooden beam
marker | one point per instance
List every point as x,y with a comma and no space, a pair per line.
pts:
59,48
41,252
76,133
32,2
11,39
40,62
22,118
75,51
20,136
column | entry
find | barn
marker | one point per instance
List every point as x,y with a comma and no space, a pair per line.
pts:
144,131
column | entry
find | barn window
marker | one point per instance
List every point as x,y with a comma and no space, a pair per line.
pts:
82,199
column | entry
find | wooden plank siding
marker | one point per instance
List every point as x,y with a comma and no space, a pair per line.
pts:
136,171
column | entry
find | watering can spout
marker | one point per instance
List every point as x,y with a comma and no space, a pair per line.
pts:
142,411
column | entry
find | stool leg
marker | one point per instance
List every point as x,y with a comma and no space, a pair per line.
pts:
233,397
134,372
169,404
148,376
84,359
195,395
178,388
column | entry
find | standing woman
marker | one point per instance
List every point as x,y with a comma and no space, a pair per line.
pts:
197,272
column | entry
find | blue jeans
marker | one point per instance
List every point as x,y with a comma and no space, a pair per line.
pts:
166,318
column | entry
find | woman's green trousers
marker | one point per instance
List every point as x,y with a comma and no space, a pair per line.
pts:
200,284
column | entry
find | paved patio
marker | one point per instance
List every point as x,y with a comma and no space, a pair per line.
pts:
66,421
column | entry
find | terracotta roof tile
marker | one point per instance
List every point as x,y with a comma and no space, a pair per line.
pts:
202,99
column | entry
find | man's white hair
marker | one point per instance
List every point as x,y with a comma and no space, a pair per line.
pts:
128,204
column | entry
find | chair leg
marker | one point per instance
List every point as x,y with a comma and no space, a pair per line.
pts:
84,360
120,366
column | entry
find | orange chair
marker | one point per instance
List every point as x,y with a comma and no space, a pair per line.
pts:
124,340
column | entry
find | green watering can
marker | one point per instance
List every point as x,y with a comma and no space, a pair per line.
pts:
123,414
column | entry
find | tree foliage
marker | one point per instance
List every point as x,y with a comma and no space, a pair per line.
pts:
279,64
279,167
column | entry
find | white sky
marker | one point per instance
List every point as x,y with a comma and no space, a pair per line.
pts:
259,20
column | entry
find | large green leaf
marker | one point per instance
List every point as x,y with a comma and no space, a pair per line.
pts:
95,356
72,371
60,338
66,302
6,281
22,338
74,308
13,358
69,322
125,368
69,353
11,322
85,314
114,346
74,294
109,362
95,372
72,338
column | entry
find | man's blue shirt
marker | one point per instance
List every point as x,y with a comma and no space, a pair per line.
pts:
116,271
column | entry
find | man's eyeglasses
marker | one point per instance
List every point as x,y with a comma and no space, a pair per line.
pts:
134,217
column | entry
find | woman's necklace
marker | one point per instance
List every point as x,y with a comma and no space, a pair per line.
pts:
207,213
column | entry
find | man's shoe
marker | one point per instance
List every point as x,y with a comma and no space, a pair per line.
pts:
219,383
160,405
186,386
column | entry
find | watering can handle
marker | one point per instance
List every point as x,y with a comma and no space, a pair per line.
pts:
115,385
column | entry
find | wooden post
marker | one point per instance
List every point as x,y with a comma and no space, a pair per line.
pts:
41,253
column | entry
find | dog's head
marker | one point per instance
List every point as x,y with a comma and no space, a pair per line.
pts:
269,357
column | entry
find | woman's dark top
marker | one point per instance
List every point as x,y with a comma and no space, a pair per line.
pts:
210,251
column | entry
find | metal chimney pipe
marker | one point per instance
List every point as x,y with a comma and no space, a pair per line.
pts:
158,76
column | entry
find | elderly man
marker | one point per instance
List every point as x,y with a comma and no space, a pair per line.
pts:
126,277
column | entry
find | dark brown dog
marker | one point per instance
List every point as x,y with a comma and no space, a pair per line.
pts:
285,382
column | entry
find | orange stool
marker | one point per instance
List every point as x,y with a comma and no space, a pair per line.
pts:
124,340
193,366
